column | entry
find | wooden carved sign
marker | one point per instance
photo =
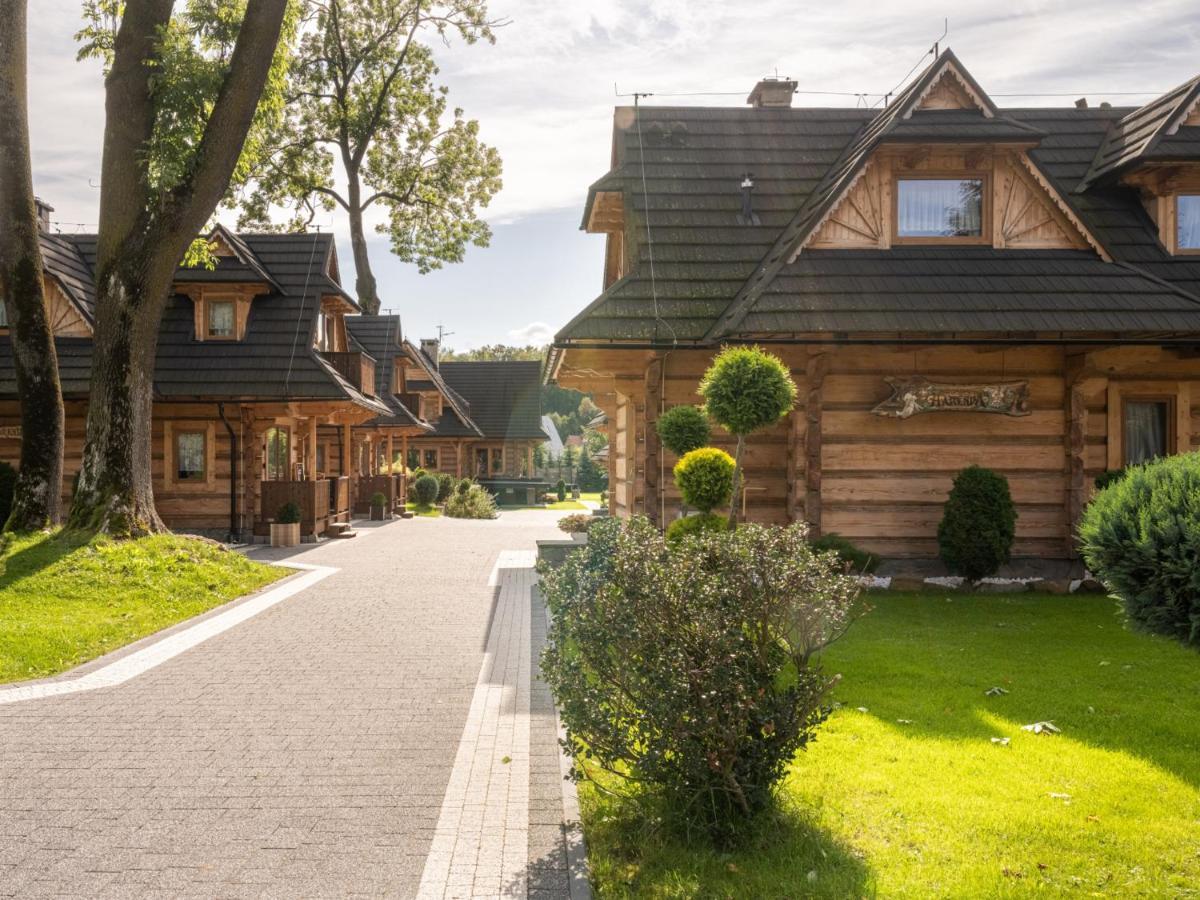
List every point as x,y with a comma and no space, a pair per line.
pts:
918,394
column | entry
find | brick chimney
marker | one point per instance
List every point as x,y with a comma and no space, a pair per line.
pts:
772,92
431,347
43,213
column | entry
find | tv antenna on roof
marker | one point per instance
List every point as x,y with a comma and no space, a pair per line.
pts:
443,333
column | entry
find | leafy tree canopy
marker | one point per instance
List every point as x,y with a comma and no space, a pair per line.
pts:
494,353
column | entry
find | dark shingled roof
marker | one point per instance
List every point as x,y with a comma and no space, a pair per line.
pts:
379,337
717,279
275,361
63,260
505,397
1140,133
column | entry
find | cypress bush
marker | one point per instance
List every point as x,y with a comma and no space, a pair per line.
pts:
683,429
426,490
1141,537
705,478
704,717
445,486
978,524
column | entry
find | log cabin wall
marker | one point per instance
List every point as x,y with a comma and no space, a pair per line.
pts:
882,481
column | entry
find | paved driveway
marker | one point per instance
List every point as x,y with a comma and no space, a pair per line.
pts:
305,752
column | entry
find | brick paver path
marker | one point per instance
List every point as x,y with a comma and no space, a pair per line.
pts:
303,753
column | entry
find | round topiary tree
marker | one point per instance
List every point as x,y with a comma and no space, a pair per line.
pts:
426,490
705,478
683,429
978,524
1141,537
701,523
744,390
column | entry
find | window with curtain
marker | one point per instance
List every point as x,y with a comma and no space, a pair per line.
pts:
431,459
1188,215
1147,430
220,318
189,456
939,207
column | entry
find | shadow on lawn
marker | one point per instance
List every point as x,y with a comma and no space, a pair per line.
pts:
44,552
930,659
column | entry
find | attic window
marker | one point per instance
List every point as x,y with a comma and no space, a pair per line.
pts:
220,318
941,209
1189,222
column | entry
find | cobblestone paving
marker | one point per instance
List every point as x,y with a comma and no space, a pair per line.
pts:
303,753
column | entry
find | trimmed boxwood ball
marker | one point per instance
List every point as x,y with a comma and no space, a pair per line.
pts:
700,523
426,490
1141,537
683,429
978,524
705,478
746,389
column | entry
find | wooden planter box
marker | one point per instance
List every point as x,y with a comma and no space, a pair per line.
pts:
379,513
287,535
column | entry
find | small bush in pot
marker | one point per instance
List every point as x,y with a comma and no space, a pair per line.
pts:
978,524
683,429
289,514
426,490
1141,537
379,504
856,560
470,501
705,478
285,530
706,716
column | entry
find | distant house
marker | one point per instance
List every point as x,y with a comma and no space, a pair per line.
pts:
951,282
256,391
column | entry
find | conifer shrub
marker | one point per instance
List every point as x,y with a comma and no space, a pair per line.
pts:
470,500
683,429
1141,537
700,523
705,478
426,490
560,490
288,514
445,486
856,560
702,718
1107,477
978,524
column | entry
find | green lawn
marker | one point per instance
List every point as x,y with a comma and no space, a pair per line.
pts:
65,600
904,794
590,495
427,512
564,504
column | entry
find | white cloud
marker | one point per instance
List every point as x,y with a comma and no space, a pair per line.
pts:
537,333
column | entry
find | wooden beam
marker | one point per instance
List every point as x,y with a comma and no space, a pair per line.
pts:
310,451
795,450
251,470
347,468
391,452
818,366
653,394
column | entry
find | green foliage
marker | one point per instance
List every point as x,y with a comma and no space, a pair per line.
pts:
8,484
379,499
470,500
978,524
858,561
683,429
288,514
445,486
579,523
699,523
1109,476
560,490
363,95
590,476
747,388
539,456
426,490
707,714
1141,537
705,478
496,353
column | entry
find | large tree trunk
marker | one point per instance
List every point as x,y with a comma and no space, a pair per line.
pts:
143,235
364,280
37,497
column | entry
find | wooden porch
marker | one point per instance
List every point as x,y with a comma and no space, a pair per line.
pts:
322,502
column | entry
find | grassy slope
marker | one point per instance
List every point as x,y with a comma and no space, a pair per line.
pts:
934,808
65,600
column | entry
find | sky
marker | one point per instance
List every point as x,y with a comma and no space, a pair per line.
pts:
544,95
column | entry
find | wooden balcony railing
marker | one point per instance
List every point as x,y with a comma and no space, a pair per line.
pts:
356,367
320,502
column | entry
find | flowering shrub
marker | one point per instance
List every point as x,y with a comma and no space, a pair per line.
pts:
689,670
575,524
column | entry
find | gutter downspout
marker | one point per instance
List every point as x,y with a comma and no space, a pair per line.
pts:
235,536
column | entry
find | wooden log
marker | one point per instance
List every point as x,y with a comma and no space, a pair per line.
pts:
251,469
818,366
653,464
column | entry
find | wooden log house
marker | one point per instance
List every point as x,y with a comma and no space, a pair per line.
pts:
949,281
253,365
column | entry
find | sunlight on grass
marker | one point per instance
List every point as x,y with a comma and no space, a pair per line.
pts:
904,793
65,599
425,512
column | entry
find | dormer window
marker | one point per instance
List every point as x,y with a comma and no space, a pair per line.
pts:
939,209
220,318
1188,223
